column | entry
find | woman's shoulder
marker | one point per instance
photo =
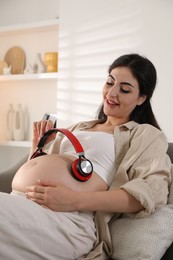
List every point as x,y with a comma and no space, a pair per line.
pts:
148,129
149,134
136,127
143,132
132,125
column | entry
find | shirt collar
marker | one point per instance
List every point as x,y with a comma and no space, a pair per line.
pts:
88,124
128,126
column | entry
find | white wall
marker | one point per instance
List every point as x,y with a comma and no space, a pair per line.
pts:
157,44
95,32
24,11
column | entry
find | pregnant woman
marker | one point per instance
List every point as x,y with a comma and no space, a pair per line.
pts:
50,214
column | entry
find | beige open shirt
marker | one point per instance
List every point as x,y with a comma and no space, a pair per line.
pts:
143,170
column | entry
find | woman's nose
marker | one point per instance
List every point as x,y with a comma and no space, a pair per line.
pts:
113,91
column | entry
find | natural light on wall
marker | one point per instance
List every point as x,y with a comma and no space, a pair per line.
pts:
86,49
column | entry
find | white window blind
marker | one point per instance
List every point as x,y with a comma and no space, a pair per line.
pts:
86,49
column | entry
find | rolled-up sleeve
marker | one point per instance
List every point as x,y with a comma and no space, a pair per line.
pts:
149,177
152,192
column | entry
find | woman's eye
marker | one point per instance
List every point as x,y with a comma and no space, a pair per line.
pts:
109,83
124,90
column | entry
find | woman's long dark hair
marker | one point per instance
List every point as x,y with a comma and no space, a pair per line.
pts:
145,73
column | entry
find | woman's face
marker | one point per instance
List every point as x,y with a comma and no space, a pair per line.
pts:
121,94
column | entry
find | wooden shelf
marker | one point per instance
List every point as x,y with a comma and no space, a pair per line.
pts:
42,25
39,76
35,37
15,143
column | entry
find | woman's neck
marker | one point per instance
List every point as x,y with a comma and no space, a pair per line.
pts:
111,121
108,126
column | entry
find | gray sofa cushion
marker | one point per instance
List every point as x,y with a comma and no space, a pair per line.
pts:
170,151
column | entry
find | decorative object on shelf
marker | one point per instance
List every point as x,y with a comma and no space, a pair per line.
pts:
15,57
33,38
51,61
3,65
9,123
7,70
31,69
39,64
19,126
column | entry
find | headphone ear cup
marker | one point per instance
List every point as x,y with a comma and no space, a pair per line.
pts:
77,171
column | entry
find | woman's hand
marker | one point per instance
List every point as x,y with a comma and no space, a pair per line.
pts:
58,198
39,128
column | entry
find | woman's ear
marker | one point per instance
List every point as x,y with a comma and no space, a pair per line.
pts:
141,100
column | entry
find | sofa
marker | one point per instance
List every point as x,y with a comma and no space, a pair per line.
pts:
169,253
7,176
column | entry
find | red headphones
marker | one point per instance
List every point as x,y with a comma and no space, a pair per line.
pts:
82,168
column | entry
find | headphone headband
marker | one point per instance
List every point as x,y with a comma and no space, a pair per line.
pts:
82,168
78,147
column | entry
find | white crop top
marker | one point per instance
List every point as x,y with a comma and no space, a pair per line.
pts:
98,148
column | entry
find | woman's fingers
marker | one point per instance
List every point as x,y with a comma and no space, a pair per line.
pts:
39,128
44,125
36,189
36,194
56,198
49,125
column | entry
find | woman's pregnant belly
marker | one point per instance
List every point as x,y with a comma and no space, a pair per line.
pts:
52,170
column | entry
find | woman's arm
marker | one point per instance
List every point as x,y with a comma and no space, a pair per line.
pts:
117,201
61,198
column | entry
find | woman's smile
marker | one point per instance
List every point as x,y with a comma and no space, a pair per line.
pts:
112,103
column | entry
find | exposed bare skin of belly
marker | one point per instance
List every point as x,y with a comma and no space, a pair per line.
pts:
53,169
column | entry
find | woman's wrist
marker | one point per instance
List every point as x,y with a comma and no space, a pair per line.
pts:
110,201
82,201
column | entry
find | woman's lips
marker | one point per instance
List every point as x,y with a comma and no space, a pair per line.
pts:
112,103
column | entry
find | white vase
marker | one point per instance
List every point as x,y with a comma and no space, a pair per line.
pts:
41,67
18,126
9,123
